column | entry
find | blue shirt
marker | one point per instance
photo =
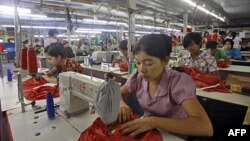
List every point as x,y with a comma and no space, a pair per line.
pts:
234,52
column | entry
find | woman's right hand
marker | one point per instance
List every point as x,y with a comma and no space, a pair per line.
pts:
124,114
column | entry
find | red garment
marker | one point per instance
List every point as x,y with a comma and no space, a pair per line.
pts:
33,89
202,80
123,66
220,88
97,132
222,64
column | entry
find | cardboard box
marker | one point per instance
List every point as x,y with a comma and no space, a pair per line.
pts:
239,84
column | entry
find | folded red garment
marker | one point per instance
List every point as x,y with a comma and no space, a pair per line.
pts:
202,80
123,66
222,64
33,89
97,132
220,88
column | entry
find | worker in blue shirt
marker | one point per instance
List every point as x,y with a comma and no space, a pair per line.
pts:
232,53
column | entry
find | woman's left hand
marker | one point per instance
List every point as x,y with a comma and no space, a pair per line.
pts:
137,126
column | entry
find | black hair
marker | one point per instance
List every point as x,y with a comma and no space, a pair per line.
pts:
52,32
230,41
25,42
36,40
211,44
123,45
193,36
233,35
56,49
46,49
157,45
206,32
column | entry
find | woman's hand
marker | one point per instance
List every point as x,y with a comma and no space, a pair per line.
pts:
137,126
124,114
49,79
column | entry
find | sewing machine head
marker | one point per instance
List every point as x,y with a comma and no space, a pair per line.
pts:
77,92
104,56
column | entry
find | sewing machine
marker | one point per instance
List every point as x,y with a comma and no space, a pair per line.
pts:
77,92
104,56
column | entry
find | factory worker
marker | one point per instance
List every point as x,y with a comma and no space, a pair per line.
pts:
218,53
166,96
201,61
57,57
232,53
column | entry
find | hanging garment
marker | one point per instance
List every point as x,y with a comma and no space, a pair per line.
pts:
34,89
108,101
98,132
222,64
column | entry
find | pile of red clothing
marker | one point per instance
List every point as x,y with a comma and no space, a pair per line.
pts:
222,64
98,132
206,80
123,66
33,89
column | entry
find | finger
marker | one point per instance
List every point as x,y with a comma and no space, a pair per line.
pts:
124,115
136,132
130,128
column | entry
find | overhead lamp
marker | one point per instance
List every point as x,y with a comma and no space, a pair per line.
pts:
86,30
9,9
25,14
190,2
39,27
204,9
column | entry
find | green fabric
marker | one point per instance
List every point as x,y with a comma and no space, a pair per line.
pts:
219,54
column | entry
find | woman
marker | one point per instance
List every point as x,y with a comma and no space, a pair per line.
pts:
218,53
199,60
57,57
232,53
167,96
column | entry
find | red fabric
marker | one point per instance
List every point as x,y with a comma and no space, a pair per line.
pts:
23,58
31,61
202,80
123,66
222,64
33,89
220,88
97,132
212,37
1,48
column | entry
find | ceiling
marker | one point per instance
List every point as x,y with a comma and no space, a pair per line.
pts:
151,12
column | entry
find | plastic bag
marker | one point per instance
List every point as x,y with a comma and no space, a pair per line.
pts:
97,132
33,89
108,101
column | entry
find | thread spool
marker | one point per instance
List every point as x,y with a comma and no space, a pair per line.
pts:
23,58
50,106
9,75
1,48
31,61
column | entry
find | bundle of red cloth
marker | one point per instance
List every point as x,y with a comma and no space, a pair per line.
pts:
98,132
33,89
123,66
222,64
206,80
